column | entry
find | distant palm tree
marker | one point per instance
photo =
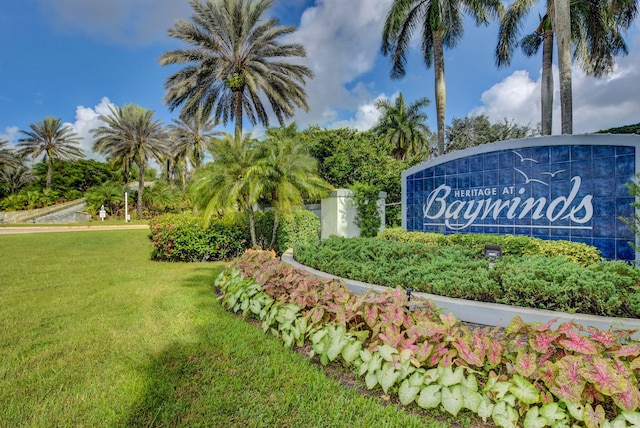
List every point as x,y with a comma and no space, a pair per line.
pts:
108,194
285,174
8,158
440,23
163,197
51,139
191,136
234,59
131,135
15,178
224,184
403,126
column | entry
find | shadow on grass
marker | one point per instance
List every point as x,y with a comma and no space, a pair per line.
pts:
226,372
175,381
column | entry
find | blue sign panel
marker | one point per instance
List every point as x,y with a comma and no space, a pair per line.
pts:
562,187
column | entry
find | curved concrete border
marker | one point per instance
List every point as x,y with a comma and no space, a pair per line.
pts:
493,314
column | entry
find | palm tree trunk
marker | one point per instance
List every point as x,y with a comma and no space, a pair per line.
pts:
440,87
546,86
276,223
252,227
140,190
562,27
237,100
49,172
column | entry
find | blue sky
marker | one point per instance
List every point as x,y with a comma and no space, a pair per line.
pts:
73,58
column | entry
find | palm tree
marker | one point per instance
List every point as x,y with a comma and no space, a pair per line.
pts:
440,23
51,139
15,178
8,157
224,184
235,58
131,135
109,194
595,36
403,126
191,137
285,174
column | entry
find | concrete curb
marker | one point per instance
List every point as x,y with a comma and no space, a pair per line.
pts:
492,314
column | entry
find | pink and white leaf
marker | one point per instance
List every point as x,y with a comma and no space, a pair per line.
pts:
580,344
526,364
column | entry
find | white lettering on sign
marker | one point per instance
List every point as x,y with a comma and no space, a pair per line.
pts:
460,214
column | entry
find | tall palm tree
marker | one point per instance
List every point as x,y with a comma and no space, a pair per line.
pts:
234,59
132,135
440,23
403,126
225,184
285,174
596,29
52,140
191,137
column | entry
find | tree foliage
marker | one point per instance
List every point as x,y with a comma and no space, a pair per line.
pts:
627,129
51,140
225,185
235,63
440,23
286,174
79,175
131,134
404,127
473,131
347,156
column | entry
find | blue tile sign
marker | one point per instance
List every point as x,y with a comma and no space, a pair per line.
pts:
561,187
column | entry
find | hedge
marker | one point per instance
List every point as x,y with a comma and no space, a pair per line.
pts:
608,288
183,238
512,245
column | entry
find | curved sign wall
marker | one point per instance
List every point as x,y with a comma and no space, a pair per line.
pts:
561,187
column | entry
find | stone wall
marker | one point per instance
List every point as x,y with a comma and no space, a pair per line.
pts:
69,212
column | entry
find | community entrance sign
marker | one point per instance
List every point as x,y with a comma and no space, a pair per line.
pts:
560,187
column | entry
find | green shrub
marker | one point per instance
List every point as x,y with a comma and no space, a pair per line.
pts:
554,284
608,288
297,226
181,237
455,272
513,245
365,198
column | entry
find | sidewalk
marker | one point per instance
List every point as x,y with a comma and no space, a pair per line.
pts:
10,230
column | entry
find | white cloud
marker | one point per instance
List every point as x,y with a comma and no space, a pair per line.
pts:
87,118
342,39
366,116
10,134
517,98
126,22
597,103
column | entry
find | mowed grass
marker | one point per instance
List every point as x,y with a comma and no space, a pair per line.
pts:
93,333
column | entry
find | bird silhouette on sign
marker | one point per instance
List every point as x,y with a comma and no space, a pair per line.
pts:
553,174
522,158
530,180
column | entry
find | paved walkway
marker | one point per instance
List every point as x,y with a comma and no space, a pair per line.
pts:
8,230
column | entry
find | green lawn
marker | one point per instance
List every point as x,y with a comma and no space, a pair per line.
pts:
92,333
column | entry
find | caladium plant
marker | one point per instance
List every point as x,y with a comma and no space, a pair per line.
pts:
532,374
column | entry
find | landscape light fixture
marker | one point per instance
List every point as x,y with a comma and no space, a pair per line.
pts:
493,252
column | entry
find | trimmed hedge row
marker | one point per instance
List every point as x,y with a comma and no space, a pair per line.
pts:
608,288
183,238
512,245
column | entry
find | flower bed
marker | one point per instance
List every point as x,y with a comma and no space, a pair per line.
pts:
529,376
